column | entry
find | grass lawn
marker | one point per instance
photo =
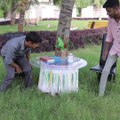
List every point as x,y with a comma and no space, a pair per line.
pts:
23,104
45,25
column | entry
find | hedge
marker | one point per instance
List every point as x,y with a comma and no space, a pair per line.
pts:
78,38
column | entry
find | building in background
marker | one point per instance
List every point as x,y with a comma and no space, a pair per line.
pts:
93,12
45,10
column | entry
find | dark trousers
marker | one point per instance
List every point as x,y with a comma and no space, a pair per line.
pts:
26,69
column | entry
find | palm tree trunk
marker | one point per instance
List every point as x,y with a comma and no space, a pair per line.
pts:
21,21
64,24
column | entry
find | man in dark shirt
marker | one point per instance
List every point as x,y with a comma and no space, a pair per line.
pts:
16,54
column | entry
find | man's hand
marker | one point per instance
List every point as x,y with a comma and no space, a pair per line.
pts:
18,69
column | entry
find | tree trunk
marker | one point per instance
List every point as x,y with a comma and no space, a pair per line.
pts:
64,24
21,21
13,17
23,7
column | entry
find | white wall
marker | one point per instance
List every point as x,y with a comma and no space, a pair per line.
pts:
74,13
90,12
45,11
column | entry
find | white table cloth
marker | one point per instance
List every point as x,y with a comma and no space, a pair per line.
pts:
60,78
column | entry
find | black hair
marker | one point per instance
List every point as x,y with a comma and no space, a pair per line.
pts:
111,4
33,37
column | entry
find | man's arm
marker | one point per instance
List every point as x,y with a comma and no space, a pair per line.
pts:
106,51
109,40
28,56
9,59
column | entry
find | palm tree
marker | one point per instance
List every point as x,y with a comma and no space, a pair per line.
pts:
64,25
23,6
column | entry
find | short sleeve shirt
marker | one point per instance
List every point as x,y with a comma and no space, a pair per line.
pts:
113,35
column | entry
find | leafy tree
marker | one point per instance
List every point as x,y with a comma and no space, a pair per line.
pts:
5,7
98,3
57,2
83,3
1,14
16,5
9,6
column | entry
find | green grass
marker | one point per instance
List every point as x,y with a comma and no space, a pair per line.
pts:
18,103
44,25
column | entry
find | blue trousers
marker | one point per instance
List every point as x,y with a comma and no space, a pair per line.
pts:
26,69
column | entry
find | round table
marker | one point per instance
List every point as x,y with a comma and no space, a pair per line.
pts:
59,78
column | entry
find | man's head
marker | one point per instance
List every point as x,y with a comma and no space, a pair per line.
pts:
112,8
32,39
